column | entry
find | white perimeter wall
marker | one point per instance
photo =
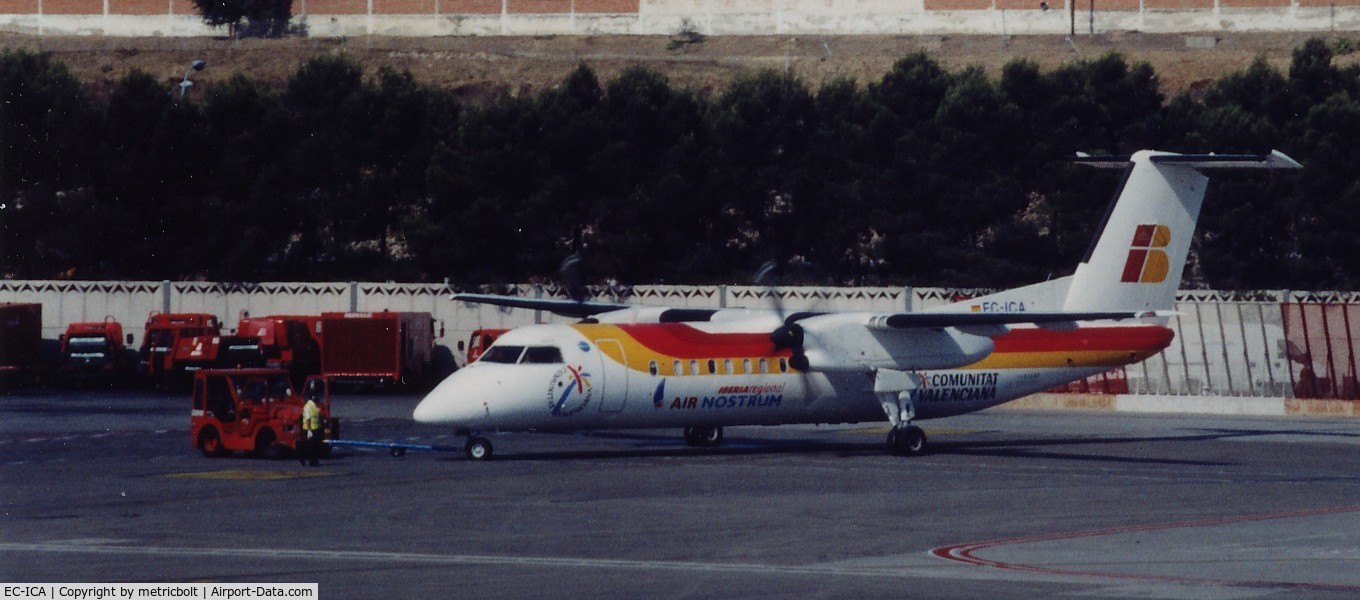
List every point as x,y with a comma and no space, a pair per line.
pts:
736,17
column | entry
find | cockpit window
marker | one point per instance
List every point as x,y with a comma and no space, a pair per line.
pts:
503,354
542,355
509,355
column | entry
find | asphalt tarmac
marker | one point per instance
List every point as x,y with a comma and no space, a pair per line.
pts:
104,487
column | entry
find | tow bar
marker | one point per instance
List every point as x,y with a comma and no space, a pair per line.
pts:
396,449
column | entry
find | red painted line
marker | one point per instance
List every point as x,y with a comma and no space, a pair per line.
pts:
966,553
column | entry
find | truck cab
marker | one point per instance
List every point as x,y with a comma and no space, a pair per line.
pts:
479,341
258,411
164,333
94,351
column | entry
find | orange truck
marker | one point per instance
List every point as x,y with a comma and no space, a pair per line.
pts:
94,351
258,411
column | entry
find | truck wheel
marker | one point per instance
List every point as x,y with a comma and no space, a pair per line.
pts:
211,444
265,446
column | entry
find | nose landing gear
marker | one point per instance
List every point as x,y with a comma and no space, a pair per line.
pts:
477,448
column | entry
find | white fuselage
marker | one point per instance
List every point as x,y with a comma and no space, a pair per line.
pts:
612,377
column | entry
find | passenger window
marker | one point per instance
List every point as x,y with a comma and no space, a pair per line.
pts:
745,365
503,354
678,368
783,365
764,365
712,366
693,367
542,355
652,366
727,366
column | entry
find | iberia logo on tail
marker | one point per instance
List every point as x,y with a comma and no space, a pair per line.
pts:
1148,262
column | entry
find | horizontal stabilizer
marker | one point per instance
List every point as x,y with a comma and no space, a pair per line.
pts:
1274,160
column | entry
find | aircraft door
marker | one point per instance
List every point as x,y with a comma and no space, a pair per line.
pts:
613,399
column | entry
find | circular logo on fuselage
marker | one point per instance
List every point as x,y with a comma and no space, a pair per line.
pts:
569,391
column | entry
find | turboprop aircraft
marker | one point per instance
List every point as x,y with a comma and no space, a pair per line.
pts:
632,367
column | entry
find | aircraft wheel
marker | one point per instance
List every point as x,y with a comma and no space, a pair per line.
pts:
478,448
703,437
893,448
910,441
690,439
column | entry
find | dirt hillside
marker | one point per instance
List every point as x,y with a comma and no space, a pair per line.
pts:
478,66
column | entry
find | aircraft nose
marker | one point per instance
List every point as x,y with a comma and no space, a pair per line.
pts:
450,403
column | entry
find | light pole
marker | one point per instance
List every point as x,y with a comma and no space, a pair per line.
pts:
185,84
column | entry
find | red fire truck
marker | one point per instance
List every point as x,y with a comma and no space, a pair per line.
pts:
255,410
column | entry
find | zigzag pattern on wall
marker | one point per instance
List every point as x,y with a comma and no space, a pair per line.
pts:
816,293
413,290
1227,296
1325,297
950,294
80,287
674,292
271,289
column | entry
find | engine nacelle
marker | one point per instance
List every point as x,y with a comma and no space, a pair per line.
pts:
842,343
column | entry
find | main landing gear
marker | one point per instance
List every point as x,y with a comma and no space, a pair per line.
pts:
703,437
897,391
906,440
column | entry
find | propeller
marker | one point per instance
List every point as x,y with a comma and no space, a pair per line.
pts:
790,335
571,276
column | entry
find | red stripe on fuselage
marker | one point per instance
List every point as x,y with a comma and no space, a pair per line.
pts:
1149,337
683,341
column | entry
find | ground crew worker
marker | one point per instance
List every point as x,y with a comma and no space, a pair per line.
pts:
311,431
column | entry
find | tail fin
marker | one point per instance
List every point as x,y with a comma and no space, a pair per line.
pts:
1137,259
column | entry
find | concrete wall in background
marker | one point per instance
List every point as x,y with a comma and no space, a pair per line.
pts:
332,18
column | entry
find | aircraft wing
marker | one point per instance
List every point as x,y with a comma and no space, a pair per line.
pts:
566,308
